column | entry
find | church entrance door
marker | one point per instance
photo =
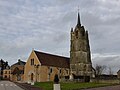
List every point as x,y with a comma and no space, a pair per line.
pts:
32,76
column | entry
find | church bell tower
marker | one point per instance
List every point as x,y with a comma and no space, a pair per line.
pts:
80,56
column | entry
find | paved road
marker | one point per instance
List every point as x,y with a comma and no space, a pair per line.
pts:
117,87
7,85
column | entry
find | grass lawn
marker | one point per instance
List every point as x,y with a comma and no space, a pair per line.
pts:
70,85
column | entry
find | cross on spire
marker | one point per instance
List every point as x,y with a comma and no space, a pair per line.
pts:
78,8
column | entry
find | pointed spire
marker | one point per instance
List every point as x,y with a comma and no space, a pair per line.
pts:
78,22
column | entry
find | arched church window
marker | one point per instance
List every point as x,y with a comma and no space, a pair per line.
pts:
32,61
50,70
60,71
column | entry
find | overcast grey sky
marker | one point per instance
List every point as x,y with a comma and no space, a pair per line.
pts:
45,25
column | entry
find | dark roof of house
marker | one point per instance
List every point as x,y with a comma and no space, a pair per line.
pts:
4,65
7,67
53,60
17,71
20,63
1,61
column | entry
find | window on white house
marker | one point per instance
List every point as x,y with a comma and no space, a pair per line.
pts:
5,76
5,72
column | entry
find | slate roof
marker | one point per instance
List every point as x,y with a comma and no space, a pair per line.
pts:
20,63
53,60
17,71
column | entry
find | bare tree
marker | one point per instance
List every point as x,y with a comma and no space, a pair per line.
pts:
110,72
99,69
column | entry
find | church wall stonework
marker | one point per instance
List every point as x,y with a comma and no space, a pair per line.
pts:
80,56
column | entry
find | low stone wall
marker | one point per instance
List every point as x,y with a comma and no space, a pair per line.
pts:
114,81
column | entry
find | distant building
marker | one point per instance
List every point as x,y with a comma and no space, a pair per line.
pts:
17,71
41,67
7,73
3,66
80,55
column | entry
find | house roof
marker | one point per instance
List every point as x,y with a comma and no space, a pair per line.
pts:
7,67
4,65
53,60
17,71
19,63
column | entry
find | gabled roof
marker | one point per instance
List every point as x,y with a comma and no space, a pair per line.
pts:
17,71
19,63
53,60
7,67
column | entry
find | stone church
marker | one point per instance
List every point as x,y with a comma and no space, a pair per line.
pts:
41,66
80,56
